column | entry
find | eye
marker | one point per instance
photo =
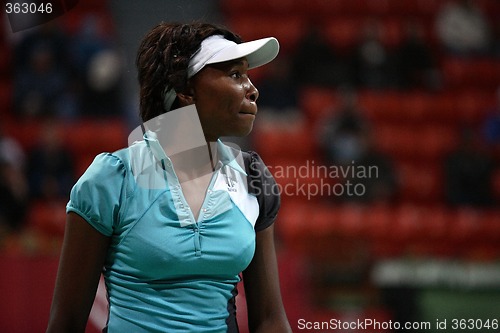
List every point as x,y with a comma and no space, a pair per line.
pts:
236,75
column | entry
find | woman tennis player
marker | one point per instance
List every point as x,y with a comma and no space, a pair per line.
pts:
174,224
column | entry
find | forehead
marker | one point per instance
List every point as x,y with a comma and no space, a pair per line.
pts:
219,69
231,63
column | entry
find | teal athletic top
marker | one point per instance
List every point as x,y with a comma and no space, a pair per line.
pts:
164,271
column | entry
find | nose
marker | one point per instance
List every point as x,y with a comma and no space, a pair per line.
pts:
252,93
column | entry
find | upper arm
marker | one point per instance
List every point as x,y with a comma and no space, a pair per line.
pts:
82,258
266,312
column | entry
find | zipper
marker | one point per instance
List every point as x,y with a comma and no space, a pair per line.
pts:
196,238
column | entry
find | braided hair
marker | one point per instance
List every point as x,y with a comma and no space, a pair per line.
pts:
163,58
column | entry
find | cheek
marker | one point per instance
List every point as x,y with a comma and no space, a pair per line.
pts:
226,101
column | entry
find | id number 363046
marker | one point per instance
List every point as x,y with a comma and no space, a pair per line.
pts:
474,324
28,8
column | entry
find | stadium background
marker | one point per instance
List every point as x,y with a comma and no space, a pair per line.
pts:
415,258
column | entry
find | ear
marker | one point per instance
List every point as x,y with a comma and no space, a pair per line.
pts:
186,97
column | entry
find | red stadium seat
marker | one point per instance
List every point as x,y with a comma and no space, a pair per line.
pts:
415,141
351,220
5,61
293,221
276,8
485,73
455,72
490,225
484,241
317,102
471,72
436,223
94,136
496,184
321,9
465,232
472,104
382,106
437,140
379,219
417,106
343,33
396,140
392,31
90,137
324,221
408,223
443,108
287,29
82,162
48,217
73,19
25,132
412,108
281,142
6,94
420,183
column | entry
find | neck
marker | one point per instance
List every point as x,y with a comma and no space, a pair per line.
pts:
179,130
180,134
212,151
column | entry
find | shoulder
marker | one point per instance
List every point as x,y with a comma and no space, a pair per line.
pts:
105,165
258,172
262,184
254,163
109,172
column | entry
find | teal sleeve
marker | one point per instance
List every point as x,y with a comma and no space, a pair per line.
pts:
96,196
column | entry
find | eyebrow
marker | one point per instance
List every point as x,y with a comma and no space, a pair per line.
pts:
240,62
231,63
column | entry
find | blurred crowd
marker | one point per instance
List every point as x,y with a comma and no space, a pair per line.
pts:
371,62
62,76
67,76
58,77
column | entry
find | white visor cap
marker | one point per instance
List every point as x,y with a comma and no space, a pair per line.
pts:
215,49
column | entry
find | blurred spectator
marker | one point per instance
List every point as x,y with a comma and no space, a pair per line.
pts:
315,61
417,66
50,165
98,68
373,65
380,184
13,185
463,29
52,36
39,87
341,137
495,46
43,74
347,142
278,93
11,151
468,173
491,127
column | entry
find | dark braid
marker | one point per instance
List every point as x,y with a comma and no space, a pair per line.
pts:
163,58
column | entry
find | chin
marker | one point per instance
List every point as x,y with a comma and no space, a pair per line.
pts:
241,132
247,131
